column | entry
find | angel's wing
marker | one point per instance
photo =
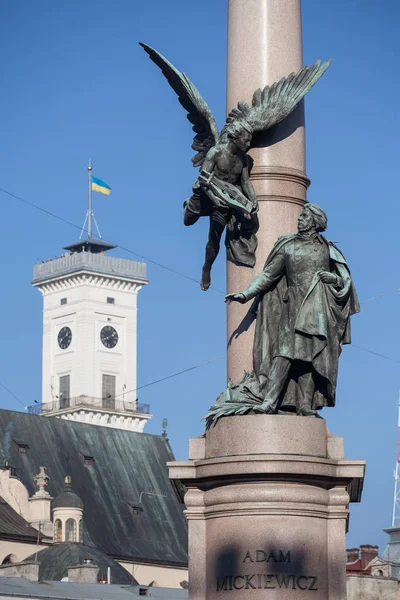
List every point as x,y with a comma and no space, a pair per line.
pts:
272,104
199,113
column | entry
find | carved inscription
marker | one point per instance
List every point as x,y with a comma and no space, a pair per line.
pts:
272,555
267,581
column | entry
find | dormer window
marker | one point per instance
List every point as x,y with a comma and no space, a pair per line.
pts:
89,461
136,509
22,447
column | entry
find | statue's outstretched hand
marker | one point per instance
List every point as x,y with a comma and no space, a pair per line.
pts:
235,298
327,277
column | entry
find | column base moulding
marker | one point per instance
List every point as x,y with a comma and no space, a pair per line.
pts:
279,198
280,174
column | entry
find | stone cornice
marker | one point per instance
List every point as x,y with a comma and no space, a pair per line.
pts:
321,472
97,280
105,419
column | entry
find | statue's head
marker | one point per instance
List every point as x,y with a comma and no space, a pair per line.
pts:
312,217
240,133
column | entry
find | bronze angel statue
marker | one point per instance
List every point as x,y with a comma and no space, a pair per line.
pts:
223,191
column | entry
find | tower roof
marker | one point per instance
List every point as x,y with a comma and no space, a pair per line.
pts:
67,498
90,244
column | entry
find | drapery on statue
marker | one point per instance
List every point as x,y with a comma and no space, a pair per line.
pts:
223,191
304,298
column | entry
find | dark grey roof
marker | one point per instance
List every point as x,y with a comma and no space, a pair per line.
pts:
13,526
60,590
55,561
90,245
129,468
67,498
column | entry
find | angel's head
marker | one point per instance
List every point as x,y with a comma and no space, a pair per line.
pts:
240,133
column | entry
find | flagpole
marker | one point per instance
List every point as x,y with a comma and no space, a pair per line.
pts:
90,200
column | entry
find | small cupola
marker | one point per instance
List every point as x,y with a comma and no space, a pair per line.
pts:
68,515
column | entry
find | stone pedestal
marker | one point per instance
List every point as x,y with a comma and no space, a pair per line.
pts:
267,506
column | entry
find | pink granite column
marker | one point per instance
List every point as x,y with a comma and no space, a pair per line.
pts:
264,44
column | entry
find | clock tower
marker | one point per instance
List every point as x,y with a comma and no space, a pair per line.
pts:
89,335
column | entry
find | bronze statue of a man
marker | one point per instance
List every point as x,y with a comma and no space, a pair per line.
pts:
305,298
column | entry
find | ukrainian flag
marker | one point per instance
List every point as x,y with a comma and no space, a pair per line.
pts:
99,186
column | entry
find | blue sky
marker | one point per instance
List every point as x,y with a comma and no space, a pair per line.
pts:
75,85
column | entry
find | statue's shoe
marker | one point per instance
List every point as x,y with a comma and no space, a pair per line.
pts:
307,412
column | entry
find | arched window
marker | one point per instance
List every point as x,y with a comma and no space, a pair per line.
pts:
379,573
81,531
70,530
57,531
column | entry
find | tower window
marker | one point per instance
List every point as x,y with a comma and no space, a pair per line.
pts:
70,530
57,531
64,391
108,395
63,301
110,300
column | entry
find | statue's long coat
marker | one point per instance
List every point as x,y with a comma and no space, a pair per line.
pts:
313,331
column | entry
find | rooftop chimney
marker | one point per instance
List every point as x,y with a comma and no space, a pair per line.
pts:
368,553
86,573
352,554
26,570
